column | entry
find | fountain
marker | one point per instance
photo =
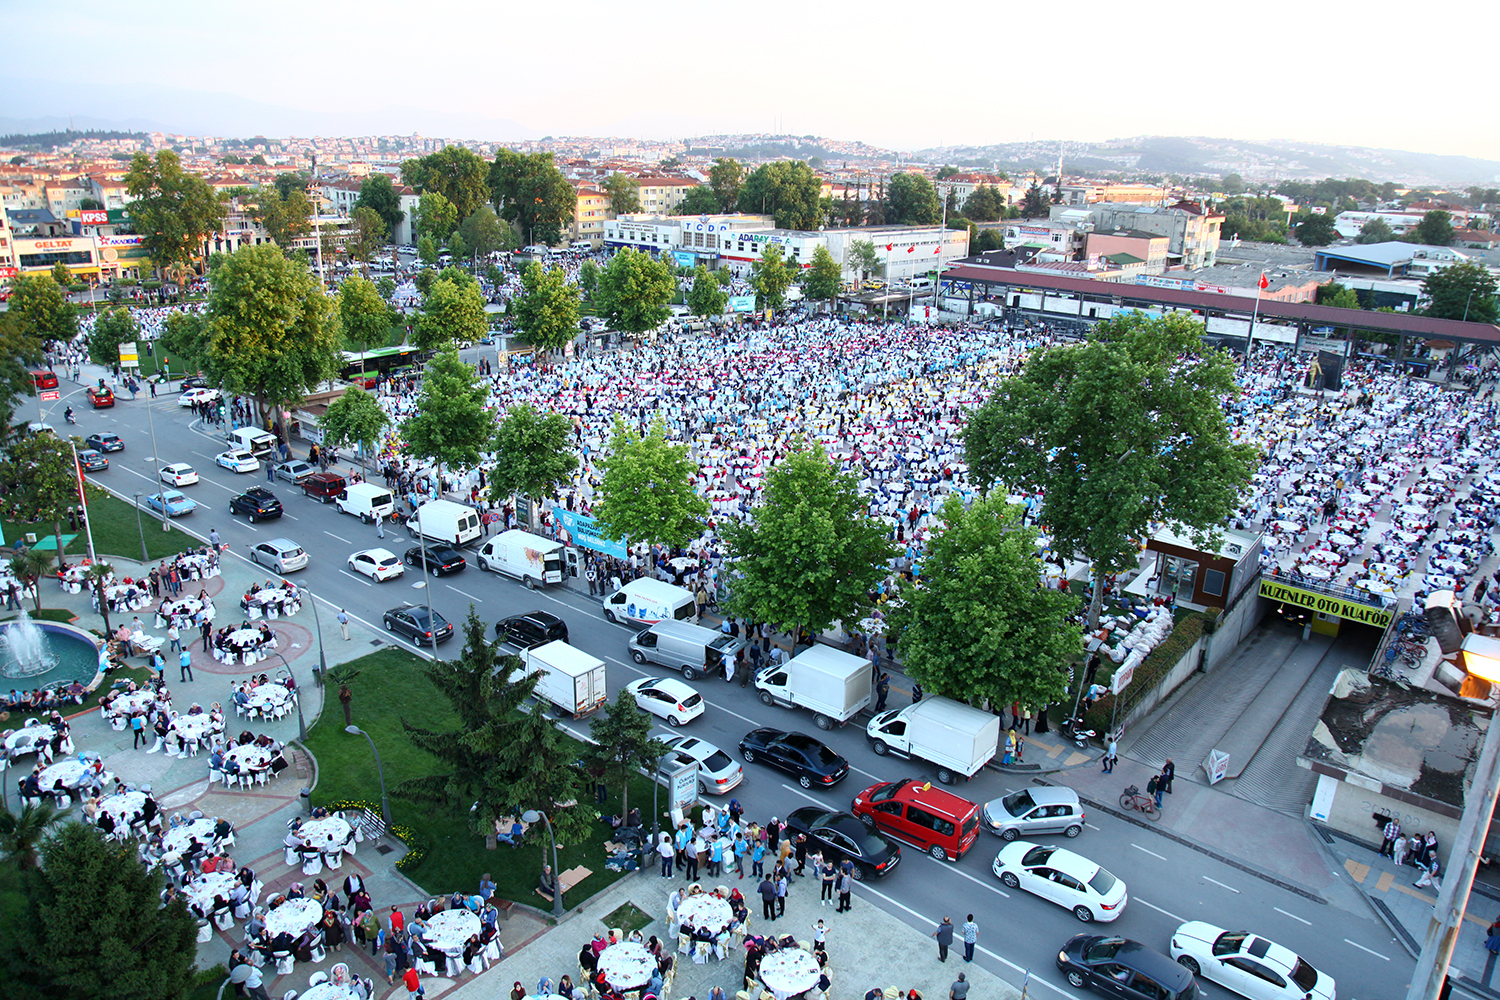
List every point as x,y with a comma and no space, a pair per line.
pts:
26,652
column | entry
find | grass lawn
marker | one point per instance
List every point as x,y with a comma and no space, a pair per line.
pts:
390,688
45,615
115,532
15,720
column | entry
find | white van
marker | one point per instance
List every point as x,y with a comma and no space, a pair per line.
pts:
367,501
581,246
257,442
532,559
692,649
445,521
646,602
921,284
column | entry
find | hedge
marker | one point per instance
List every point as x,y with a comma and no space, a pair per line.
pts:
1154,669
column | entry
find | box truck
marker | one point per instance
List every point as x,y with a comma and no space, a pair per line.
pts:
445,521
569,678
831,684
532,559
958,739
645,602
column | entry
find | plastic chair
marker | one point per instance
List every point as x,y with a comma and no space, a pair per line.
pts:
313,864
205,932
335,859
291,856
224,920
284,962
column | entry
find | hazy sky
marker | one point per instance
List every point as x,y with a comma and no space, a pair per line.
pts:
904,76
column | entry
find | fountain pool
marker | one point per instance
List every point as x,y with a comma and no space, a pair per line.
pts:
37,654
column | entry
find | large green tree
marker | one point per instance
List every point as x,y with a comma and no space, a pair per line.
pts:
370,234
114,326
41,306
452,313
624,193
451,425
173,211
20,353
44,482
376,192
707,297
700,200
1377,230
285,217
1462,290
770,277
484,233
911,200
533,454
725,177
634,289
436,216
531,193
1315,230
809,555
1034,204
457,173
824,277
787,189
1121,433
976,626
22,832
647,494
865,258
355,418
985,203
1435,229
546,311
364,314
622,743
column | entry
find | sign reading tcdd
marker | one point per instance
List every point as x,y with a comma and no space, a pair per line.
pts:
1326,603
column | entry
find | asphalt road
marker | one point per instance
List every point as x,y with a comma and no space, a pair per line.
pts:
1168,883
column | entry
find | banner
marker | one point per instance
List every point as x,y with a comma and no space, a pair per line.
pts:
129,356
742,303
1326,603
584,532
93,217
684,258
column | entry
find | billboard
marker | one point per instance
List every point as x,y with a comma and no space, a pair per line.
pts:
684,258
129,356
93,217
583,531
742,303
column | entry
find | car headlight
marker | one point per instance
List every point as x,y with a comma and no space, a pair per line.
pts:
1062,956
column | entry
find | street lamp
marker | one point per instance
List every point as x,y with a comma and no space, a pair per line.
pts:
385,803
317,621
140,529
531,816
301,724
166,524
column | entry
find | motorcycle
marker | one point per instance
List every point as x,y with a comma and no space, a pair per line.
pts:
1080,737
69,416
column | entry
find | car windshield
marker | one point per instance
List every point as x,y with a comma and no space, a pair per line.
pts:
692,700
1229,943
1037,856
293,551
1305,976
389,561
1104,948
717,761
1018,803
1103,882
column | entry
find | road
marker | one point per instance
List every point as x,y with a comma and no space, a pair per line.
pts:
1168,882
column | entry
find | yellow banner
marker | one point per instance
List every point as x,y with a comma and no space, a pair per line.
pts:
1350,610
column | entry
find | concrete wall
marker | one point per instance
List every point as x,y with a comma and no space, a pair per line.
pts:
1353,807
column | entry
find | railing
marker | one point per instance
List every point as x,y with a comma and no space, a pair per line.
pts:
1339,590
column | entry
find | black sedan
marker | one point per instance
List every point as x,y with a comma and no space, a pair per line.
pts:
256,503
441,559
92,461
1120,967
411,621
801,756
845,837
105,442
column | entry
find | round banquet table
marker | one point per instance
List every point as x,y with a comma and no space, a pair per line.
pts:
328,991
1359,498
70,771
627,965
186,607
1436,581
1287,525
1324,556
28,739
1339,538
127,597
128,704
325,833
123,806
1317,573
447,931
250,757
789,972
193,727
1377,587
293,916
176,841
202,890
269,696
705,910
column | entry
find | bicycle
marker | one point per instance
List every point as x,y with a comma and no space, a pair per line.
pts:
1390,672
1145,804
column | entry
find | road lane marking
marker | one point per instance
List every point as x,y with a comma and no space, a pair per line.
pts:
1090,825
294,517
1158,909
1221,885
352,576
1361,947
1138,847
1292,915
332,535
465,594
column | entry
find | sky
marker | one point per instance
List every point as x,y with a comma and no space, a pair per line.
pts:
901,76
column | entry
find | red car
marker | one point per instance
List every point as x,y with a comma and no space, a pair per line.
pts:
101,398
45,379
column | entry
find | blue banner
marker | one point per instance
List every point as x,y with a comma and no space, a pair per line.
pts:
583,531
684,259
742,303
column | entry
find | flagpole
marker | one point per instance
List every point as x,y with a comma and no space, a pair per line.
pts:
1254,316
885,302
88,528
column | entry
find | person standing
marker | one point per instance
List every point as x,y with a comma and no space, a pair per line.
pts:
185,665
782,885
801,853
343,620
846,886
249,977
345,697
826,873
970,932
592,575
1109,757
960,988
1168,772
174,637
882,691
206,629
380,525
1153,789
767,892
1391,834
944,935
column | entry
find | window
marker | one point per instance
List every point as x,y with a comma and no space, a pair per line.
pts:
927,821
1213,582
647,640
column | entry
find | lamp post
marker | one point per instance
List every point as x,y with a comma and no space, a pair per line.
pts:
318,622
302,724
385,803
140,529
166,524
531,816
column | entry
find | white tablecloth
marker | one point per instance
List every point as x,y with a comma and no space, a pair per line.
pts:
123,806
271,695
127,704
176,841
705,911
789,972
193,727
627,965
1316,573
202,890
250,757
447,931
293,916
70,771
327,991
325,833
186,607
28,739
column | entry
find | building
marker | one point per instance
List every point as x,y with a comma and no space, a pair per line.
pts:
341,196
662,195
590,214
1391,259
1054,241
1090,193
1150,249
1192,231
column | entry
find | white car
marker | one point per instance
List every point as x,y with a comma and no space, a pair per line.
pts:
1247,964
717,771
178,474
668,698
378,564
197,396
1070,880
237,461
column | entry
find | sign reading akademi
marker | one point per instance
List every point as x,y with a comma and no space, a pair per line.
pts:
1327,604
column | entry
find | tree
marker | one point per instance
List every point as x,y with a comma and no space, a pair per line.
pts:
624,193
1377,230
985,204
20,353
707,297
22,833
286,183
976,626
634,289
1034,204
452,313
912,201
725,178
30,566
1119,434
622,742
173,211
285,217
1338,296
588,277
414,174
436,216
135,948
427,250
1435,229
546,311
1315,230
824,277
863,256
355,418
62,275
1232,183
457,173
458,247
41,306
700,200
533,454
647,494
989,239
113,327
786,189
451,425
809,555
376,192
270,332
46,482
1463,290
484,233
770,278
369,235
530,192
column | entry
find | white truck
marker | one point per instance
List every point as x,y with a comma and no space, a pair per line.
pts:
532,559
958,738
257,442
831,684
570,679
445,521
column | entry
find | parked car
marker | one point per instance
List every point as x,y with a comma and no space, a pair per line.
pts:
531,629
441,559
195,382
843,837
798,754
280,554
378,564
102,398
1120,967
1067,879
295,472
256,503
717,771
1034,810
411,620
178,474
198,395
174,502
1248,964
44,379
325,487
237,460
92,461
667,698
105,442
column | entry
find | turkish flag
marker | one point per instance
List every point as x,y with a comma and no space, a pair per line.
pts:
938,248
889,247
910,249
1263,282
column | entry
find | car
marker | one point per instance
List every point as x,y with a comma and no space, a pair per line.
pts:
1248,964
798,754
442,559
411,620
531,629
1124,968
92,461
178,474
237,460
173,501
280,554
844,837
668,698
1070,880
199,395
295,471
1034,810
100,397
36,429
105,442
257,504
912,811
194,382
717,771
378,564
44,379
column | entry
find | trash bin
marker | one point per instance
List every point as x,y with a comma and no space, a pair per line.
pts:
307,800
317,676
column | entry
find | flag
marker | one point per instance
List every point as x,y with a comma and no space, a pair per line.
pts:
910,249
889,247
1263,282
938,248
